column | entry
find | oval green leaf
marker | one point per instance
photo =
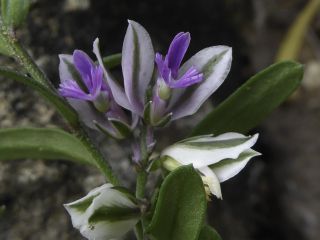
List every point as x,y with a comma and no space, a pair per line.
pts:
209,233
253,101
39,143
180,208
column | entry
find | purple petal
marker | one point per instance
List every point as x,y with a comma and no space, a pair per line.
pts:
214,63
116,89
70,89
83,64
96,80
176,52
162,68
137,64
192,76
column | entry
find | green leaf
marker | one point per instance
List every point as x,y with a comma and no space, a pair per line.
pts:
208,233
180,208
253,101
42,143
14,12
61,105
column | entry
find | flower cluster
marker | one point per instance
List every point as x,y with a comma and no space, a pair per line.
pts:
156,90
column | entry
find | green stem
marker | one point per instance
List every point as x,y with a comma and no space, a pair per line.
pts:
24,59
142,178
142,174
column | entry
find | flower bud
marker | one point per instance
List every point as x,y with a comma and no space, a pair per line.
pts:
102,102
164,91
107,212
216,158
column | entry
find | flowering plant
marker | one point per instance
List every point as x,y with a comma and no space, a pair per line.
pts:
154,91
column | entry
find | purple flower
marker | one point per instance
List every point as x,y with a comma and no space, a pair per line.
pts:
91,78
83,84
180,91
169,66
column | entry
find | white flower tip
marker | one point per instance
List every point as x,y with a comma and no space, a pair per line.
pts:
96,41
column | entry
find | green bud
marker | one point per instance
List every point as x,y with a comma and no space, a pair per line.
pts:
164,91
14,12
169,163
102,103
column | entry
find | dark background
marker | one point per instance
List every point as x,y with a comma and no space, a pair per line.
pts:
275,197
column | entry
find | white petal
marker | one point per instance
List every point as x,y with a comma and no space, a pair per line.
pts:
214,63
104,196
79,217
210,150
228,168
137,63
117,91
212,181
64,71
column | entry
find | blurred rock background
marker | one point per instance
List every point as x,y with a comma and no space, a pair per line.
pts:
276,197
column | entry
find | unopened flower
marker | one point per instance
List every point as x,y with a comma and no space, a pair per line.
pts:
107,212
83,84
216,158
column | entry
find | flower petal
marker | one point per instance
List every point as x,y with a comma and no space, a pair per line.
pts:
83,64
203,152
192,76
212,181
137,64
88,114
65,65
214,63
228,168
78,208
70,89
106,212
176,52
117,91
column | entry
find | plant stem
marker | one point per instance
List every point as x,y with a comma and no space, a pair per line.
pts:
142,174
141,183
24,59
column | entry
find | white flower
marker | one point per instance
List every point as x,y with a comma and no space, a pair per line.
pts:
216,158
107,212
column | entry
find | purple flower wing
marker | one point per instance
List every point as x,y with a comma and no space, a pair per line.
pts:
137,64
214,63
117,91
